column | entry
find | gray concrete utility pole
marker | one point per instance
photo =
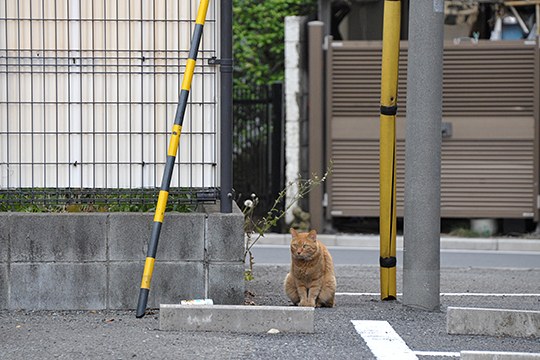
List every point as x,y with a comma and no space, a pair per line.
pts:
421,259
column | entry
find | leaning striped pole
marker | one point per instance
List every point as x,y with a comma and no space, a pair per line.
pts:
387,144
171,158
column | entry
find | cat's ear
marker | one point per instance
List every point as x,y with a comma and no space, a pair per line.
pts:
294,233
312,235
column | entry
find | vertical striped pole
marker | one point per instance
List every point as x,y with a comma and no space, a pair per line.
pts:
171,157
389,84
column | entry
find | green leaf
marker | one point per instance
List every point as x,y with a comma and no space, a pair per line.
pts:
258,38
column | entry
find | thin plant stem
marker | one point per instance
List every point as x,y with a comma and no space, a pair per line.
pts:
255,229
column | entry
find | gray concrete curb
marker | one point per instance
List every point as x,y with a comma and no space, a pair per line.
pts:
447,242
493,322
495,355
236,318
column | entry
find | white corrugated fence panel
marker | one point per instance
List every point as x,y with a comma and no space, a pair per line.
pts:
89,90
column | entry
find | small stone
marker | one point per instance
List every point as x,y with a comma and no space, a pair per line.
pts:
273,331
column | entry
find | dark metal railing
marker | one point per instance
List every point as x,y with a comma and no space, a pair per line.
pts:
258,145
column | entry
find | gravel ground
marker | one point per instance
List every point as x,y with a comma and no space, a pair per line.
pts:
119,335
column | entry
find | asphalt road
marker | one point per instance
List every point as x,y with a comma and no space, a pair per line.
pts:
119,335
489,279
279,254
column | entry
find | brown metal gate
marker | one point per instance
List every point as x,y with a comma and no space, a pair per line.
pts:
490,129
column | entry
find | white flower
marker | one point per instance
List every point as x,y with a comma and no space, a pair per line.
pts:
248,203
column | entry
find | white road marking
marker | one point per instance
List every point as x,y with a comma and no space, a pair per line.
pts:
386,344
383,341
491,294
445,294
437,353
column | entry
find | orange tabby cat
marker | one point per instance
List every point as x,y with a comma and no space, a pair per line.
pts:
311,281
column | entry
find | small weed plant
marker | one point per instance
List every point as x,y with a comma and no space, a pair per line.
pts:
255,228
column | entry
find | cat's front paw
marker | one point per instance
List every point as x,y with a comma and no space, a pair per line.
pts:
307,303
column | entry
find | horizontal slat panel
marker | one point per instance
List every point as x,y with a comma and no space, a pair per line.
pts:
484,79
478,178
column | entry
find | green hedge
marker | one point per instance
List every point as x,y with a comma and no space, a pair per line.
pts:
258,27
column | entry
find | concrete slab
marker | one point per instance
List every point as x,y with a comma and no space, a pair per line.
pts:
226,283
236,318
172,282
457,243
518,245
182,236
225,237
42,237
52,286
496,355
4,237
493,322
4,286
129,235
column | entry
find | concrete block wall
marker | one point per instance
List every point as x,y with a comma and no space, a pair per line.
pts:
93,261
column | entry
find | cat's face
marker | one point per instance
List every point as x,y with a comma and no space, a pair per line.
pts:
303,245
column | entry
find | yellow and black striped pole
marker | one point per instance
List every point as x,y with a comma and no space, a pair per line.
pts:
171,158
389,84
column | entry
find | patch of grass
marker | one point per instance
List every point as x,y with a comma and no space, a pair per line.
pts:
88,200
464,232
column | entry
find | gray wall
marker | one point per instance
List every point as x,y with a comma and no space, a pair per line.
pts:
95,261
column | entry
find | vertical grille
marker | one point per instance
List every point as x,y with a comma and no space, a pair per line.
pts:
88,93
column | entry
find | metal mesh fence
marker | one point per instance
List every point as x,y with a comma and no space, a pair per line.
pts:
88,93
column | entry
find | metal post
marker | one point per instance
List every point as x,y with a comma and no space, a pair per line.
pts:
387,148
421,262
277,151
226,72
171,157
324,14
75,95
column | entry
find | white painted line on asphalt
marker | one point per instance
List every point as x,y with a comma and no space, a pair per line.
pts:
475,355
358,294
386,344
383,341
446,294
490,294
437,353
